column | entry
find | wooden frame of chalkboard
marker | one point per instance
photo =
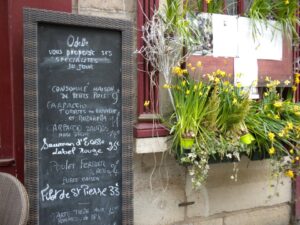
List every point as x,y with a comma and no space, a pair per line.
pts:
47,102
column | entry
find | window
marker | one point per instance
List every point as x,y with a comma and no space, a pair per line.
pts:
145,127
148,124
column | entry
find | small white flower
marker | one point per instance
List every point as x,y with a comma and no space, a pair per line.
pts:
229,155
192,172
237,155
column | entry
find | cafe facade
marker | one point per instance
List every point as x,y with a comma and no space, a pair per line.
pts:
146,186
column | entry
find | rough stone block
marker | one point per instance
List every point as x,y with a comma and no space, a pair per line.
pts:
109,5
215,221
158,190
222,194
158,207
272,216
107,14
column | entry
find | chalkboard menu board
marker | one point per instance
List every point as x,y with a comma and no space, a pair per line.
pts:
79,151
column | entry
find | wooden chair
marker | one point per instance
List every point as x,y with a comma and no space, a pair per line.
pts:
14,203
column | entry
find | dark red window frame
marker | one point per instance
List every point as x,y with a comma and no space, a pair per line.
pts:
148,124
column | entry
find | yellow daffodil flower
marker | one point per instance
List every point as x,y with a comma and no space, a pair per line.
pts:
287,82
271,136
294,88
271,151
184,71
146,103
176,70
167,86
276,117
278,104
290,125
199,64
210,77
292,151
234,101
223,74
290,173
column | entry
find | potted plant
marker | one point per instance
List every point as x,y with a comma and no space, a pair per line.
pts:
211,112
284,12
274,121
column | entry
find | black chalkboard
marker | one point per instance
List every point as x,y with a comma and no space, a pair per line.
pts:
80,125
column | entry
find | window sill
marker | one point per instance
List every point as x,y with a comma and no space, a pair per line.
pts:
149,130
152,145
151,137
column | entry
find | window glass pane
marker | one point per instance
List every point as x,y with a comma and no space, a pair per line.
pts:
247,4
231,7
195,5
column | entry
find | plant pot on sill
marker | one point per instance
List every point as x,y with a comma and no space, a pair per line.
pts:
247,139
187,143
255,155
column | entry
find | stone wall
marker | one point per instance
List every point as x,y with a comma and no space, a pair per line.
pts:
161,185
124,9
